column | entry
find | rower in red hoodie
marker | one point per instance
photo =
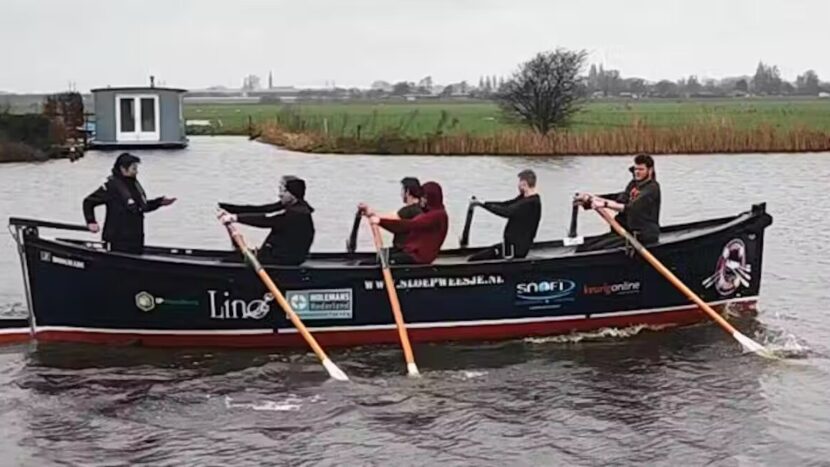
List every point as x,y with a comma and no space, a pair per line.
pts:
425,232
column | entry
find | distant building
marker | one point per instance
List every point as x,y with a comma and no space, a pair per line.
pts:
138,117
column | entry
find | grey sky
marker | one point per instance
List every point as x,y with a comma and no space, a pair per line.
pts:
198,43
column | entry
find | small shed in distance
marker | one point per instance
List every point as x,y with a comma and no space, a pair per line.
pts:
138,117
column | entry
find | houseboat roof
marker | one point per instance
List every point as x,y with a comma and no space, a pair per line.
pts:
137,89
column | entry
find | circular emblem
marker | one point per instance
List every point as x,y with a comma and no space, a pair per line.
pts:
732,271
299,302
145,302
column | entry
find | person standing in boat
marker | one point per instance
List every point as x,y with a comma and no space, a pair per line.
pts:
638,206
425,233
522,213
126,204
290,221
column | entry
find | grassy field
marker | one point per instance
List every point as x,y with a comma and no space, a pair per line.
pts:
483,119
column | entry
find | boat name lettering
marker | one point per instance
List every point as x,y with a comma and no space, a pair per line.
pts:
439,282
225,307
619,288
72,263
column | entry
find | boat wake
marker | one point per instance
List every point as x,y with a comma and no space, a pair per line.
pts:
289,404
599,334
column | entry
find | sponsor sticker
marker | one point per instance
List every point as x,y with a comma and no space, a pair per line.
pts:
476,280
321,304
545,293
145,301
613,289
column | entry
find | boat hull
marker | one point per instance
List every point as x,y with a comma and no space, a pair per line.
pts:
191,298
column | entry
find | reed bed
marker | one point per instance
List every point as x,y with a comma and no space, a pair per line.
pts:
704,137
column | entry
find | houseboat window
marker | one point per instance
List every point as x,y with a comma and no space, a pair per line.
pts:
127,118
148,114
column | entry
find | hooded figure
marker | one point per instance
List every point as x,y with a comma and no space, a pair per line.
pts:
425,232
126,204
290,221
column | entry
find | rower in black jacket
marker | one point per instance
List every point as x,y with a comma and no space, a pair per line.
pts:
523,214
290,221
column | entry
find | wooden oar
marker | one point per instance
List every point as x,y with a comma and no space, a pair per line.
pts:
464,241
411,368
745,341
333,370
351,242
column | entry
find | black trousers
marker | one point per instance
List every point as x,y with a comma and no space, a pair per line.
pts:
127,246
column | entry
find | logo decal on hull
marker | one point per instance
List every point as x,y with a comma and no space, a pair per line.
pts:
731,272
549,293
321,304
145,301
439,282
619,288
225,307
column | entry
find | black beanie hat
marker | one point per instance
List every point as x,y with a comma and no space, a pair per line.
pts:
295,186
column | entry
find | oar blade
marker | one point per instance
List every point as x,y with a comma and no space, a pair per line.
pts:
752,346
412,370
334,371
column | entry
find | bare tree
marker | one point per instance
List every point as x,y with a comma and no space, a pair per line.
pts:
546,90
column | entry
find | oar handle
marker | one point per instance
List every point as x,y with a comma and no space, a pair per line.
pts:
464,241
351,242
574,215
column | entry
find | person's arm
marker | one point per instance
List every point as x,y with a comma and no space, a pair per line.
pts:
597,202
93,200
420,222
154,204
505,209
272,221
251,208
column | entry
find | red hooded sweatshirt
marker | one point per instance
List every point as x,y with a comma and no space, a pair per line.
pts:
427,231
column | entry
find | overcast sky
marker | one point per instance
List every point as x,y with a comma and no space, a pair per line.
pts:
198,43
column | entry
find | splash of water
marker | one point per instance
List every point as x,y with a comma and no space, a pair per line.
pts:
785,345
599,334
291,403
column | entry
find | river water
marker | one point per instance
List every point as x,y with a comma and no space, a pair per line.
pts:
679,397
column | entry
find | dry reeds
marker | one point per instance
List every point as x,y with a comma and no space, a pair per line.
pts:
706,137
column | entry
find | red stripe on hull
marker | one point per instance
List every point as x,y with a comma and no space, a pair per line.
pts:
348,338
14,337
